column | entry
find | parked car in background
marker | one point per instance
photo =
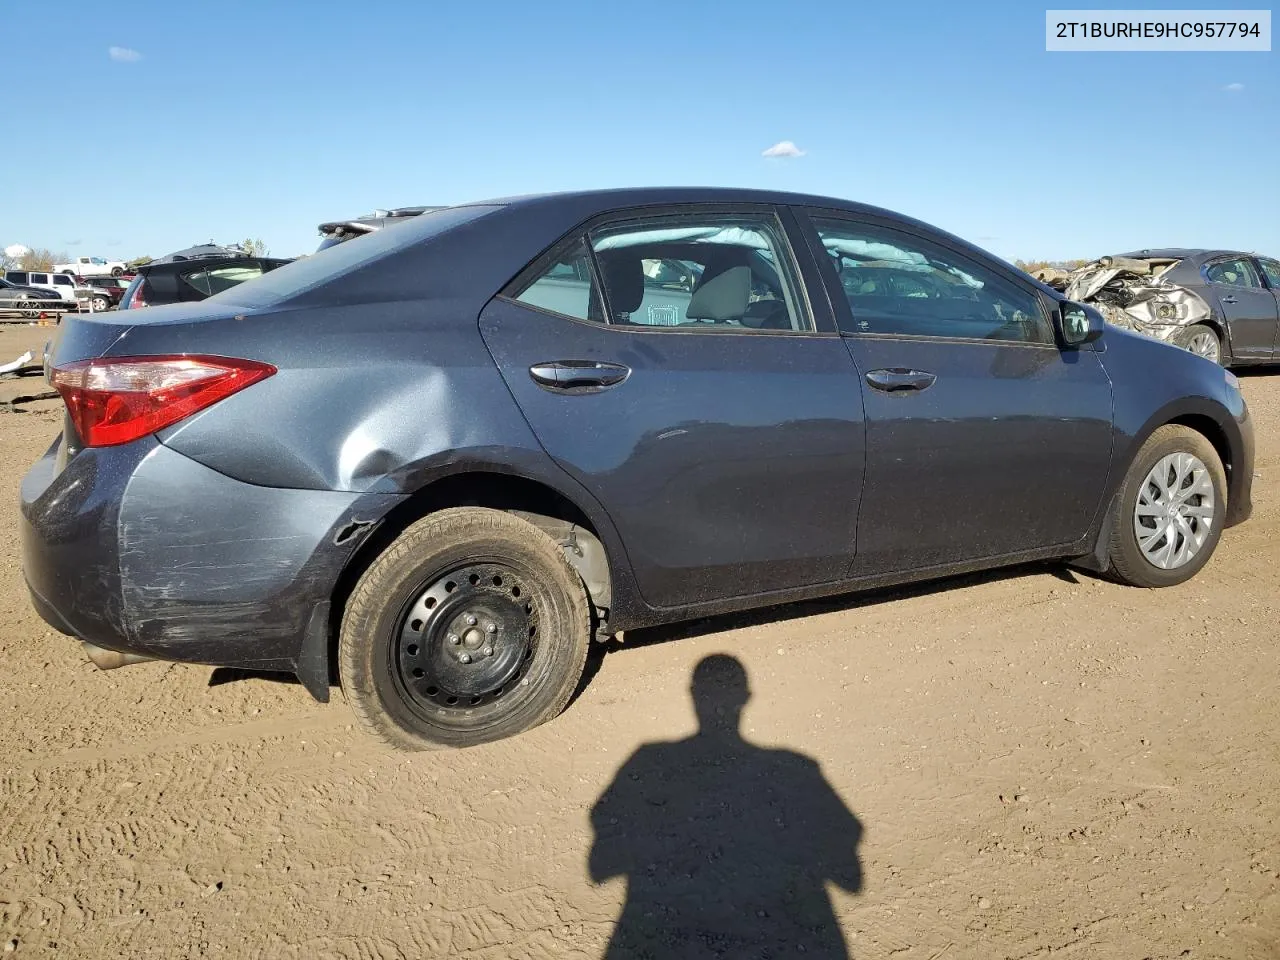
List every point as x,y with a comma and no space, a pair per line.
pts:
92,267
184,281
451,453
337,231
64,285
1222,304
106,292
30,301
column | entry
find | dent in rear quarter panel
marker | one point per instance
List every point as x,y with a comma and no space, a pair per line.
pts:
379,398
366,398
213,570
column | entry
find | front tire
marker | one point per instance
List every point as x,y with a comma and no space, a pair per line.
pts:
470,627
1200,339
1169,512
117,272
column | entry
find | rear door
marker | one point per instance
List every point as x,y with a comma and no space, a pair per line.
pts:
65,285
1271,275
1248,307
984,440
703,400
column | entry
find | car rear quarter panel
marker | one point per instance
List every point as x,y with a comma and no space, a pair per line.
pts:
380,392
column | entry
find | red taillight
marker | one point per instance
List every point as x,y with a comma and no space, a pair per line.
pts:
136,300
113,401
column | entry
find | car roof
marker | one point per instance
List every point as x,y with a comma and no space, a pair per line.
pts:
607,199
1184,253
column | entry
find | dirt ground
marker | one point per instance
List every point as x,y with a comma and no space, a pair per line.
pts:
1037,763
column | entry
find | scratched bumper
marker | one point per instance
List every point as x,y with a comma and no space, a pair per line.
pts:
140,549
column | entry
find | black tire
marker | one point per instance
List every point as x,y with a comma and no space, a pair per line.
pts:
100,304
1128,563
28,313
68,273
117,272
382,633
1200,333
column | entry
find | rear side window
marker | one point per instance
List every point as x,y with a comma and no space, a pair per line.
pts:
899,283
40,278
218,279
565,286
700,272
17,276
1272,269
1234,273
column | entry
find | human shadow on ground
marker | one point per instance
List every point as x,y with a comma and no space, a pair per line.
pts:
726,846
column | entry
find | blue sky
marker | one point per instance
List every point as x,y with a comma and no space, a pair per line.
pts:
254,119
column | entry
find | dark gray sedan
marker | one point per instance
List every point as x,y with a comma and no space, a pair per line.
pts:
434,464
1220,304
30,302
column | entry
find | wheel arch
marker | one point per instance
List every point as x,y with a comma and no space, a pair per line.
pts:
1223,330
586,535
1206,417
1203,415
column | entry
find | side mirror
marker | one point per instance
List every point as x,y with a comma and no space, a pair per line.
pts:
1078,324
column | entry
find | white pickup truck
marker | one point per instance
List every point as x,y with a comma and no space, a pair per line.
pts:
92,267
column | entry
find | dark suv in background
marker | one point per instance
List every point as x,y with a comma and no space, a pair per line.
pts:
185,281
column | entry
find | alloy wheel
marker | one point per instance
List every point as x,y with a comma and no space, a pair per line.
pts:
1205,344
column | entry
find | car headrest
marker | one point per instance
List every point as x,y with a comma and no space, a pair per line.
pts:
723,297
623,280
767,315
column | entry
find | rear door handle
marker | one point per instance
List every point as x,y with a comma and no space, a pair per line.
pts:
1228,299
578,374
899,379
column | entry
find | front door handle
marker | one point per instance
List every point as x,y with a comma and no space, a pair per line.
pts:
895,379
578,374
1228,299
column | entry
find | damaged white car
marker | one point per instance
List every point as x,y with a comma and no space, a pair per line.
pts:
1220,304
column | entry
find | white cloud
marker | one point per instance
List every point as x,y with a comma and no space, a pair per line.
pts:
783,148
123,54
16,250
1233,87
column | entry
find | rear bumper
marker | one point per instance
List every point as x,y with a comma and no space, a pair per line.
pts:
142,550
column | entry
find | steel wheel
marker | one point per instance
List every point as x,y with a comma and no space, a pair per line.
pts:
469,627
1174,515
100,304
466,641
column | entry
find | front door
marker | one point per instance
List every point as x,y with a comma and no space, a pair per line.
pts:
1248,307
699,400
983,438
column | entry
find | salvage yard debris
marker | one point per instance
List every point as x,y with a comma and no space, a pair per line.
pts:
15,366
23,367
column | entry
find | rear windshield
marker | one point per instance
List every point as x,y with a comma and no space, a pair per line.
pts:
331,262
